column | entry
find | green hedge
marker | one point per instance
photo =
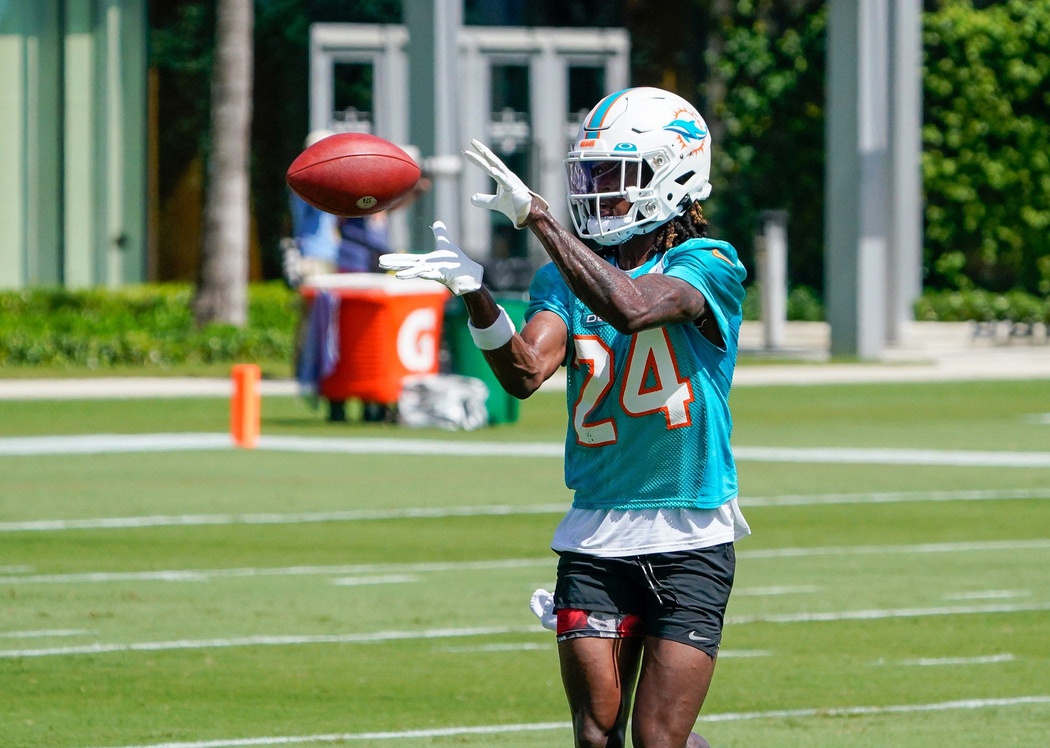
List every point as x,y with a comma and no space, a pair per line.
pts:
152,326
803,304
983,306
140,325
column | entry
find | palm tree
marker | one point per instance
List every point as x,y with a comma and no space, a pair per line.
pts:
222,288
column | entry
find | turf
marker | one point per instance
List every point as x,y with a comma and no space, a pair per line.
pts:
875,604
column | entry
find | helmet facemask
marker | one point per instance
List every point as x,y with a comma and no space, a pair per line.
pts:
600,182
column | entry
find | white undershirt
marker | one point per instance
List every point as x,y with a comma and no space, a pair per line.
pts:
632,532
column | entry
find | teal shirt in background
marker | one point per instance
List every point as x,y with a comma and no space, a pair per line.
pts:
649,421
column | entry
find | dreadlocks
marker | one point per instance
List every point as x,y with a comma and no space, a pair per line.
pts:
691,224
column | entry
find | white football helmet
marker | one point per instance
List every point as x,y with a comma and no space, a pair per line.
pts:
644,145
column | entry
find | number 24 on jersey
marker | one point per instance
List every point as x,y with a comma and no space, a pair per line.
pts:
651,384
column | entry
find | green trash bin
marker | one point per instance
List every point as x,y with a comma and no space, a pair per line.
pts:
466,359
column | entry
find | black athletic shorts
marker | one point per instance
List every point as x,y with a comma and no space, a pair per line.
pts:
681,596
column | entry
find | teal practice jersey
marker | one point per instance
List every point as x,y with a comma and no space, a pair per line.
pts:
649,420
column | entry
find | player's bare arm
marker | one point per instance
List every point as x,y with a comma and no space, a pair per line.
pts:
531,356
628,304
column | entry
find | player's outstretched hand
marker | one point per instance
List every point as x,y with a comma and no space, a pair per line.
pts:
447,264
542,606
513,199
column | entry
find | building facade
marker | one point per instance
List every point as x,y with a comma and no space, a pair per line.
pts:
73,143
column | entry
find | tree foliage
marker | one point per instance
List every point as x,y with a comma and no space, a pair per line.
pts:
986,160
182,36
182,41
769,67
756,70
282,89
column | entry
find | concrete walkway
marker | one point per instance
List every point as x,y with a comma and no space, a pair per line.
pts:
928,352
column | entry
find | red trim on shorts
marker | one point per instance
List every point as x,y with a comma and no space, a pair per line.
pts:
573,622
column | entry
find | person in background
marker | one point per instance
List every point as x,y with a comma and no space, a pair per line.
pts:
362,240
313,248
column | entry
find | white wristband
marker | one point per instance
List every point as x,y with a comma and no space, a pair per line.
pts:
496,335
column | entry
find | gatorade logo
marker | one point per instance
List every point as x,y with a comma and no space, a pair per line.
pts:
417,341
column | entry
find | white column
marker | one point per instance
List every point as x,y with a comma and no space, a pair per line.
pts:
548,104
857,216
80,187
321,91
13,155
390,94
772,277
115,237
476,102
433,32
904,269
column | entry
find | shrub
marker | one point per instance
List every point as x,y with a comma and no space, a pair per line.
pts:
150,325
803,304
986,141
978,305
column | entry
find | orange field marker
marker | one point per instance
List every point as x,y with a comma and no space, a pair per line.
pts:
245,405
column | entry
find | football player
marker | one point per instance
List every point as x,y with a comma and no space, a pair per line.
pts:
647,329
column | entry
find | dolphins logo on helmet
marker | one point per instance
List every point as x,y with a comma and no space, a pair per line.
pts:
687,129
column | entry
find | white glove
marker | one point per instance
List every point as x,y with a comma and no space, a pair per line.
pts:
513,199
542,605
447,264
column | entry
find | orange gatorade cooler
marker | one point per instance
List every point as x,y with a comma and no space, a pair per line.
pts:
389,329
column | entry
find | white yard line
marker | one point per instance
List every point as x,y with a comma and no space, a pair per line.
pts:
203,575
363,515
105,388
856,456
275,518
988,595
400,571
86,444
412,447
383,579
42,633
896,497
266,641
744,653
862,550
440,732
512,647
776,590
116,443
384,636
822,712
858,711
954,661
879,615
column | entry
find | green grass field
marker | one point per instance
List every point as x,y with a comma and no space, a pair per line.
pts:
894,595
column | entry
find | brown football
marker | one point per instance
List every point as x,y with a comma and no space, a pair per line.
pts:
353,174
